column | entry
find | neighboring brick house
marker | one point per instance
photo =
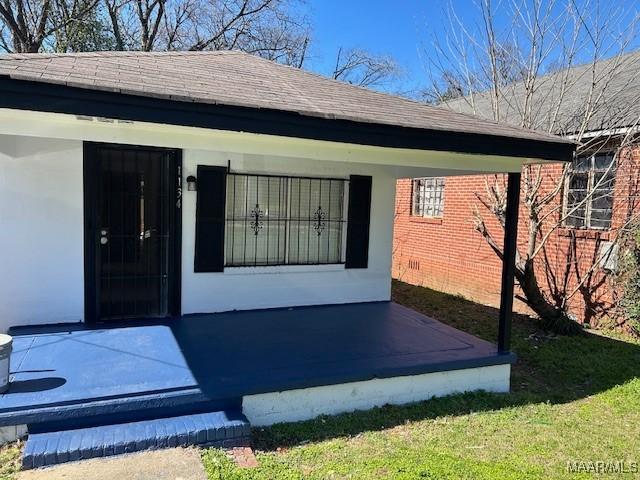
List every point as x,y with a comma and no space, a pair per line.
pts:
436,244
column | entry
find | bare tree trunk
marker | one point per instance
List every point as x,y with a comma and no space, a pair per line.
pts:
553,318
112,10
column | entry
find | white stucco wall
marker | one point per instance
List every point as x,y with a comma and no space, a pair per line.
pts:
41,240
41,231
264,287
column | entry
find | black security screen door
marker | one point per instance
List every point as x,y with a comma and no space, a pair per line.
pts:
132,200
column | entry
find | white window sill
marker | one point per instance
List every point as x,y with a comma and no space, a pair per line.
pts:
275,269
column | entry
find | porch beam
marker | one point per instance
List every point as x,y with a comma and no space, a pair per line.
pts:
509,262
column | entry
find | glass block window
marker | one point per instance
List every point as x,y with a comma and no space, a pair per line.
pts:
588,200
428,197
279,220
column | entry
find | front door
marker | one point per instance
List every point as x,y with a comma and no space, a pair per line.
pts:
132,213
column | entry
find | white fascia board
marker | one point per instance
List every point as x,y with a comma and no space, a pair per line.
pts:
611,132
70,127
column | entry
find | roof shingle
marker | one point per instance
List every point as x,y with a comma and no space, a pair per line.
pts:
559,100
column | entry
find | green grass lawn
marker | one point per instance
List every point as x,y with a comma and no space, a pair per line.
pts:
10,460
573,399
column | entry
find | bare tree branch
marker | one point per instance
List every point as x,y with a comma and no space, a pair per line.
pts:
519,65
361,68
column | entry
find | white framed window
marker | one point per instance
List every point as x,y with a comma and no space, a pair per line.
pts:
284,220
588,199
428,197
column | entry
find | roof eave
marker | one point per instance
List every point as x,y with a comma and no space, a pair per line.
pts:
54,98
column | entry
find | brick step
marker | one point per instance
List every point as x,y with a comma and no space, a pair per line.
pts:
223,428
126,410
86,412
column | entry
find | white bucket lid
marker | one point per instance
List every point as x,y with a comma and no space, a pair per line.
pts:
5,340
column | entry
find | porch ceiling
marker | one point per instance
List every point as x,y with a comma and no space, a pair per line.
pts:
228,355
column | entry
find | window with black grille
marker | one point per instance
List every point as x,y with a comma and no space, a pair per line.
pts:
281,220
588,201
428,197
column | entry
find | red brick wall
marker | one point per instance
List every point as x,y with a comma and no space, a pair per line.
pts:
447,254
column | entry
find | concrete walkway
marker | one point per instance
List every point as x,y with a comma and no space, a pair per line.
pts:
169,464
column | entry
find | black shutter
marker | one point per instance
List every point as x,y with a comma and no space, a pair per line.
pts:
359,217
210,212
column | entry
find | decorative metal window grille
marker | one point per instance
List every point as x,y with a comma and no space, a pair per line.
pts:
588,201
428,197
279,220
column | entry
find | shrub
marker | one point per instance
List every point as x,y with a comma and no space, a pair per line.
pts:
629,277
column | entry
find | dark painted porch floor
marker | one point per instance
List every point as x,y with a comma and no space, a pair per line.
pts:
216,357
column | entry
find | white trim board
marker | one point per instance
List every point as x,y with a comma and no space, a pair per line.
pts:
420,162
304,404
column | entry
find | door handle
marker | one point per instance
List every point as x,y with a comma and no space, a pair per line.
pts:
104,236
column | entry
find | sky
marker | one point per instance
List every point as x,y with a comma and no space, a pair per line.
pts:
404,29
393,27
